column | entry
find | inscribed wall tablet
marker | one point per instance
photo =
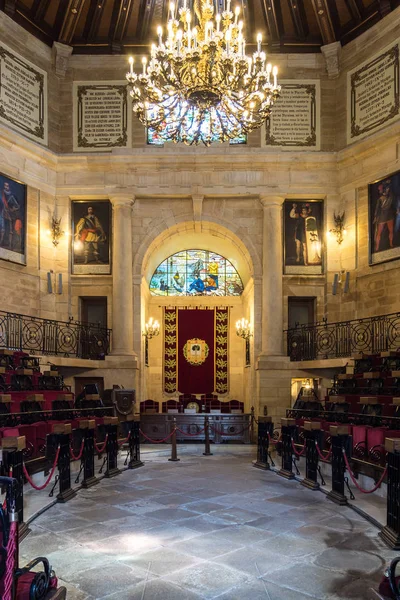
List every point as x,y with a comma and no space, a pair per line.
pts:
294,123
23,95
373,94
102,116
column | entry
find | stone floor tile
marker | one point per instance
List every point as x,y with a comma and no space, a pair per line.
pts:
161,561
263,590
202,506
254,561
206,547
310,579
171,514
205,523
208,579
350,561
99,581
104,513
155,589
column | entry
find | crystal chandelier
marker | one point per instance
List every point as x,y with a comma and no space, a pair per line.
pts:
199,85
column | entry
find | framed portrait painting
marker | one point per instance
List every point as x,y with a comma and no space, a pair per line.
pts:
12,220
303,226
384,219
91,239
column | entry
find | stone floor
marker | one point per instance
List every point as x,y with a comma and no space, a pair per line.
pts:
203,528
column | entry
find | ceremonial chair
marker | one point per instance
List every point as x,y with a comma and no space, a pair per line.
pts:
149,406
211,402
171,404
227,407
185,399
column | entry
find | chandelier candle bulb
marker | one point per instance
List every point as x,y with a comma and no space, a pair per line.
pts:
131,65
218,21
275,74
159,32
237,12
259,40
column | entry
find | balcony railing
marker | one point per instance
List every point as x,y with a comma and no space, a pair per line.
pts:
56,338
335,340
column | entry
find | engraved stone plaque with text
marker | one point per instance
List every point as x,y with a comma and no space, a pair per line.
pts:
23,95
102,116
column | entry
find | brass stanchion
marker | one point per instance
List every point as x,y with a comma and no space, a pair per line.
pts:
174,454
207,437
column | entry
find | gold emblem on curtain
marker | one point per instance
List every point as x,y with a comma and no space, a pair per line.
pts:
195,351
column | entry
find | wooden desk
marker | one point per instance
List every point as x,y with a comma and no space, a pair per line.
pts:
223,426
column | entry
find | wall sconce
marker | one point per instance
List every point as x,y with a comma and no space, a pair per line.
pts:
152,329
341,278
243,330
339,229
55,230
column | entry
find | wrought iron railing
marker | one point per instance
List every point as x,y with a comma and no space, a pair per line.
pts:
335,340
48,337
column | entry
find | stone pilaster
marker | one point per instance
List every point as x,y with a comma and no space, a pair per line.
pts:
122,308
272,285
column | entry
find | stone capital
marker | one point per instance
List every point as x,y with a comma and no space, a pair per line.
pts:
122,200
269,201
61,54
331,53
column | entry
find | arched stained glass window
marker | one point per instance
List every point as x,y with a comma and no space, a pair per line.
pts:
196,273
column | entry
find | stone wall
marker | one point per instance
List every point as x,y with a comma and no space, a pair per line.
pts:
212,193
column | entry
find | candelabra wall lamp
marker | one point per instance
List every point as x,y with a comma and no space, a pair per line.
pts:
343,277
152,329
243,330
55,231
339,230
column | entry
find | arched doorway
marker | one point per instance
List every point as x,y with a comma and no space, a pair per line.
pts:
214,240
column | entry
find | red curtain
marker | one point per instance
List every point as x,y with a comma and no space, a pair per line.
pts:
196,379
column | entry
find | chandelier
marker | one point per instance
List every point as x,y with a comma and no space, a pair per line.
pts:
199,85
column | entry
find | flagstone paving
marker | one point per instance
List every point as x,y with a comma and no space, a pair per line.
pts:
204,528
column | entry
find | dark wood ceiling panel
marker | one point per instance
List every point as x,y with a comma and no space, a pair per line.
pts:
107,26
51,12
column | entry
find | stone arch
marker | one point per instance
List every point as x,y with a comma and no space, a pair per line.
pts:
216,235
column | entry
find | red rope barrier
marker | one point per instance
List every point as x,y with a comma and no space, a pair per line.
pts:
156,441
354,480
219,432
10,562
190,434
322,456
295,451
80,452
122,442
102,448
46,483
272,441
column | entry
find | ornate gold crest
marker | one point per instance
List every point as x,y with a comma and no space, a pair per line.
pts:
195,351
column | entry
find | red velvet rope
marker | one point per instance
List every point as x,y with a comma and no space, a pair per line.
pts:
123,441
354,480
103,447
157,441
301,451
10,562
46,483
80,452
190,434
219,432
272,441
322,456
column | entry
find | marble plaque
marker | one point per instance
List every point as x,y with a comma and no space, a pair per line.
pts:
294,123
102,116
23,95
373,94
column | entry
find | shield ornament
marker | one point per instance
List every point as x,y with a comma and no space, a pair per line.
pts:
195,351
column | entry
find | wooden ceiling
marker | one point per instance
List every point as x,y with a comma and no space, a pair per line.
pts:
123,26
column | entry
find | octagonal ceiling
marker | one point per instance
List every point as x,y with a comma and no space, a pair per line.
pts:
123,26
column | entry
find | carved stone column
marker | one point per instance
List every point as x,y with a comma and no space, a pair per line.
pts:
272,284
122,308
61,54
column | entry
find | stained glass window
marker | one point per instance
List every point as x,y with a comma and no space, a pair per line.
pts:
158,139
196,273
